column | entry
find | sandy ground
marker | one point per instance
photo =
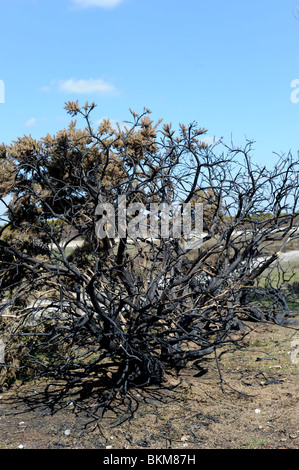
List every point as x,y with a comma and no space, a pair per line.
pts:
253,404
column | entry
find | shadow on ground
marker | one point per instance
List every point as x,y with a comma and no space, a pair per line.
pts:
246,399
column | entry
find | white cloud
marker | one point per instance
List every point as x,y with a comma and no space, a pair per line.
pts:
31,122
98,86
82,4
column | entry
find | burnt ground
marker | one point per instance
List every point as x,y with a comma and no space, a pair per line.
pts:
248,400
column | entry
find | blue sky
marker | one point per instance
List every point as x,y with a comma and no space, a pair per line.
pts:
227,64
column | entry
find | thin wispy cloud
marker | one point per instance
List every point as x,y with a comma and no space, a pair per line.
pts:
31,122
81,86
86,86
49,87
83,4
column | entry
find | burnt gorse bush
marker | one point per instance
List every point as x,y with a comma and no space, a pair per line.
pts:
121,309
